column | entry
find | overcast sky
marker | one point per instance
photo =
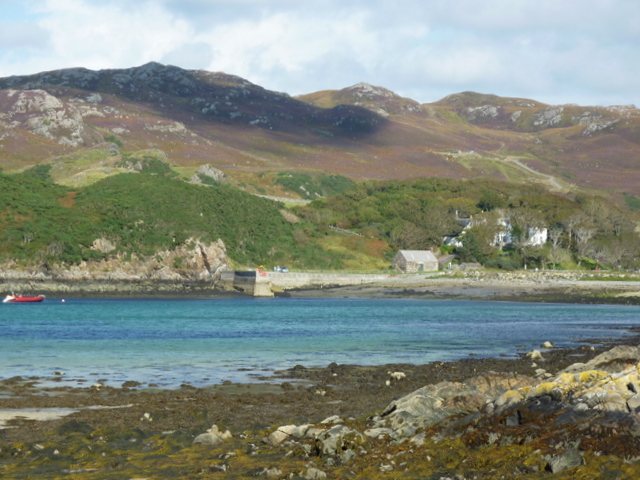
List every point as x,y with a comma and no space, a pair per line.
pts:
555,51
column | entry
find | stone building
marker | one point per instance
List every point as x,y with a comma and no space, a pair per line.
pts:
415,261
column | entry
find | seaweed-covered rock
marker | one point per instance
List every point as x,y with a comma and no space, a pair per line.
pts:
213,436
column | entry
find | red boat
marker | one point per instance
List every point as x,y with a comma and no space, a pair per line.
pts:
22,299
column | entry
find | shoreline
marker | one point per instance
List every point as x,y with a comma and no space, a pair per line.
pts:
135,431
533,287
43,421
523,286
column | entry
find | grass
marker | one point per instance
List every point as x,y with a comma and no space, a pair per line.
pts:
611,278
362,255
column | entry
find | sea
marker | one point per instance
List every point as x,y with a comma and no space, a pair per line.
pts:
169,343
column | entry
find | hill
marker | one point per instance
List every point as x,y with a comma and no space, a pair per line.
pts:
148,160
81,121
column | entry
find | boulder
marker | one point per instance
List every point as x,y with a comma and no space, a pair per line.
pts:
287,432
314,474
569,459
433,403
213,436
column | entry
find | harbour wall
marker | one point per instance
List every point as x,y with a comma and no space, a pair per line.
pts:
291,280
264,284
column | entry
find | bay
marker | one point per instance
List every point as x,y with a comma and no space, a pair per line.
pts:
207,341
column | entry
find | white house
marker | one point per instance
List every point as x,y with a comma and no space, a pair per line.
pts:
535,236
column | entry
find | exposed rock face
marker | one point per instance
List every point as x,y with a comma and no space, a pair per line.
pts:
485,111
200,261
209,171
226,98
43,114
192,262
103,245
380,100
598,126
549,117
167,127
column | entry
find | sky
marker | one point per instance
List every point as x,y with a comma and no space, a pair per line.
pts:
584,52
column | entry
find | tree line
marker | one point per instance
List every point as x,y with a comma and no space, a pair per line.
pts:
581,231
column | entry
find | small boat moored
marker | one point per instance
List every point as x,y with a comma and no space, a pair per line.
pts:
22,299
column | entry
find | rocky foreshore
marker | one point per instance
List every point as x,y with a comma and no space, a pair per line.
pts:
524,286
542,286
111,288
550,413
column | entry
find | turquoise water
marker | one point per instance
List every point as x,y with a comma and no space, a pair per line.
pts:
200,342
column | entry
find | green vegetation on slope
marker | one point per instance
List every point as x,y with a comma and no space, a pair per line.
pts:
35,220
632,201
419,214
147,213
141,214
311,186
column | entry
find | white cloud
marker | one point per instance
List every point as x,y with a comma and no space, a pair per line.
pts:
582,51
105,34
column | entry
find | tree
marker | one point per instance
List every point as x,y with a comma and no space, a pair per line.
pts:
437,223
583,234
485,227
411,237
471,248
555,237
524,223
571,223
557,255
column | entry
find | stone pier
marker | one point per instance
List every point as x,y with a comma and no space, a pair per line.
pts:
253,283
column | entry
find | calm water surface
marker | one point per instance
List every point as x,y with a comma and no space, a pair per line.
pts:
200,342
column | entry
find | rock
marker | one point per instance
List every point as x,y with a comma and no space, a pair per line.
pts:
481,112
46,115
508,398
547,345
569,459
431,404
314,474
208,171
549,117
332,419
609,361
534,355
103,245
213,436
397,375
286,432
379,432
277,437
272,472
598,126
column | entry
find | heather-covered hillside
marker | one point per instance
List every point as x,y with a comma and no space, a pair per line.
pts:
82,121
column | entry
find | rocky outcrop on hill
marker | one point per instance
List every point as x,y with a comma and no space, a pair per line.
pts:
208,171
377,99
64,118
485,111
192,263
42,114
217,96
549,117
